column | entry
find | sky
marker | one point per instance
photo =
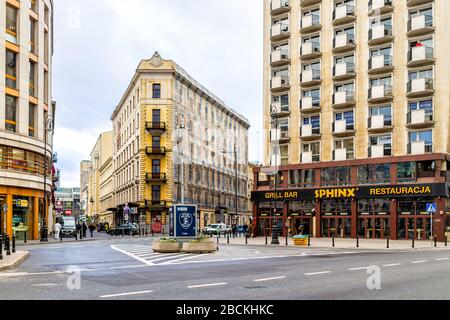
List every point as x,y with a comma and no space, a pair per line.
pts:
98,45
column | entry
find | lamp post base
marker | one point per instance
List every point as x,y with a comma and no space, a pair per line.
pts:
44,232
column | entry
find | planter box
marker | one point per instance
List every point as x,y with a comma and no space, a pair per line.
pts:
166,247
201,247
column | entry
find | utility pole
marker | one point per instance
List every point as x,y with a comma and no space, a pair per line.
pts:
236,177
44,229
181,155
275,240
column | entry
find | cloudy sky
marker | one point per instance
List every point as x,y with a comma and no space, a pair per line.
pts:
98,45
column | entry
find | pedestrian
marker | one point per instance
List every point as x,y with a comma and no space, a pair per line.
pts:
85,227
57,228
234,230
79,227
245,229
92,227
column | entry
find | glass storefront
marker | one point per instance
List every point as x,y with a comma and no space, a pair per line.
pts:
413,219
374,220
336,218
23,217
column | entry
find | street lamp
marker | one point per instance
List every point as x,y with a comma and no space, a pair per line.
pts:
48,128
181,155
236,175
274,122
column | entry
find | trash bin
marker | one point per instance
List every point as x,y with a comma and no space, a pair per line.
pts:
301,240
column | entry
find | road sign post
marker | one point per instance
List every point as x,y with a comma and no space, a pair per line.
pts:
431,209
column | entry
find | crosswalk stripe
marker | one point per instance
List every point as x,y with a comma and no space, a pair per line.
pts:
165,258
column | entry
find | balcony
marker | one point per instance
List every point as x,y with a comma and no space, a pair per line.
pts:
419,147
279,7
159,205
156,177
310,77
418,119
279,58
380,93
420,87
420,25
341,129
309,157
379,7
308,3
280,136
309,105
380,34
310,50
379,123
413,3
343,99
380,64
156,127
344,14
279,31
343,154
380,151
279,83
310,23
309,133
344,71
155,150
421,56
344,42
280,111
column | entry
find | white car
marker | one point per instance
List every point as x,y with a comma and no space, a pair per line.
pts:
216,229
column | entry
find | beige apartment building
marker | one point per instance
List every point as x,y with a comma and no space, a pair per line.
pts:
100,180
26,115
85,171
176,142
356,95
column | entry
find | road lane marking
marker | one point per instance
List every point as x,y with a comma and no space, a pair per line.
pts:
358,269
26,274
125,294
167,257
317,273
392,265
270,279
208,285
132,255
442,259
183,259
417,262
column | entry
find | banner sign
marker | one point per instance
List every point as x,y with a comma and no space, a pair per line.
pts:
363,192
183,221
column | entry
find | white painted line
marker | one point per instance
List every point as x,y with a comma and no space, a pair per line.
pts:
125,294
208,285
358,269
270,279
26,274
442,259
392,265
168,257
183,259
317,273
131,255
417,262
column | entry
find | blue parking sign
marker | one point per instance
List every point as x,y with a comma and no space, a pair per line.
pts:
431,207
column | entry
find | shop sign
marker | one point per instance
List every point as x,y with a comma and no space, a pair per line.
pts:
22,203
362,192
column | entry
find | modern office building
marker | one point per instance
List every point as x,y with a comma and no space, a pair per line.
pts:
26,114
68,202
100,179
356,111
174,140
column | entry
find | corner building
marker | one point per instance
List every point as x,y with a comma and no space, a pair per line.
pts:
26,112
172,140
356,111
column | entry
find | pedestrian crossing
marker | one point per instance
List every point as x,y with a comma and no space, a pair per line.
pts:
146,255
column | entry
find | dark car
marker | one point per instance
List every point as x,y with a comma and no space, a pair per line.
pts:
127,229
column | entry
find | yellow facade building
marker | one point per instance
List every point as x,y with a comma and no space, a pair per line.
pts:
174,139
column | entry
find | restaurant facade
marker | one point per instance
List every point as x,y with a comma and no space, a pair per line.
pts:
396,198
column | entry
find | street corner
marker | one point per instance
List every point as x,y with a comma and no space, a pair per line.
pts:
13,260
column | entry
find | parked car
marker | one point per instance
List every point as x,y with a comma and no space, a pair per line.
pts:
127,229
69,228
216,229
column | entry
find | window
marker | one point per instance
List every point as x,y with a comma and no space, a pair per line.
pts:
422,74
11,113
33,36
385,111
315,96
426,105
11,70
46,88
302,178
281,102
156,117
347,145
156,91
156,142
33,75
427,13
11,24
406,172
46,48
426,169
156,166
374,206
156,193
374,174
314,121
339,176
349,118
314,149
32,120
422,136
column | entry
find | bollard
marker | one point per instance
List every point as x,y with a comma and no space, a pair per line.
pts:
435,241
413,243
14,243
357,242
1,246
218,241
228,239
287,241
153,232
25,237
7,246
266,240
76,236
246,239
446,241
309,241
333,242
387,243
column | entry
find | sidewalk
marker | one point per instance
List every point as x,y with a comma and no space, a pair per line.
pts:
13,260
339,243
52,240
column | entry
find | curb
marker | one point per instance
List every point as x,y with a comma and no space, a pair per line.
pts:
54,242
16,263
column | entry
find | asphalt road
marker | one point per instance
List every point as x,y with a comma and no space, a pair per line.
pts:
127,269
